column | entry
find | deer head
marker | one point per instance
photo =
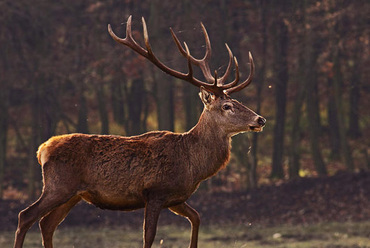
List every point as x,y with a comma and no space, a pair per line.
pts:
231,116
215,92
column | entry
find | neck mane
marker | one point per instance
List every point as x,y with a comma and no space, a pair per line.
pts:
209,147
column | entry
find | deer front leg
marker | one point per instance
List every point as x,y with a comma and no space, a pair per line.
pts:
152,210
192,215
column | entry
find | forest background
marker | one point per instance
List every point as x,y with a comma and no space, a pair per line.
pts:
61,73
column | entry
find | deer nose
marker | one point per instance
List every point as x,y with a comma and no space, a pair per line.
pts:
261,121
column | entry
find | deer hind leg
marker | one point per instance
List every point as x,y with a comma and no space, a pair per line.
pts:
192,215
50,222
55,193
46,203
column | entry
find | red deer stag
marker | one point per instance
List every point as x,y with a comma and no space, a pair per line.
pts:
154,170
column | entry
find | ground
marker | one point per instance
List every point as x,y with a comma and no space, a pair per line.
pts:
300,203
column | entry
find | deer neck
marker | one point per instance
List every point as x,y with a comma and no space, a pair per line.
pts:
209,149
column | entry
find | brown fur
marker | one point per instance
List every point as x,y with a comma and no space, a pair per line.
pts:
154,170
118,171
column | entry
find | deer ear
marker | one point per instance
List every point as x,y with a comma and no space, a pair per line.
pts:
206,96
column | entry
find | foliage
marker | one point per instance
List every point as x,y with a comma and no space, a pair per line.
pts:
61,73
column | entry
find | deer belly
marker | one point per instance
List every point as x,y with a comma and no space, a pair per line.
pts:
124,202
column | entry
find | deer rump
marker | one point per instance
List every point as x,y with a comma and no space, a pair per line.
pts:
118,173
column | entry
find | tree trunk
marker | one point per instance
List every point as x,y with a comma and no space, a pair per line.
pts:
295,151
191,102
280,37
117,101
165,103
333,122
34,138
135,107
103,113
355,94
82,124
312,100
3,133
101,98
338,82
164,84
49,108
339,29
253,177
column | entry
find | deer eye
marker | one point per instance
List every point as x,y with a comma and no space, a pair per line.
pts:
226,107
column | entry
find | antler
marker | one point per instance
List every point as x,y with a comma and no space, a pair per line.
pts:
215,85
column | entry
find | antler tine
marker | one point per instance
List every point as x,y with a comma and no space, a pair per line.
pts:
178,44
190,68
128,40
146,36
202,63
228,69
246,82
208,54
236,80
215,84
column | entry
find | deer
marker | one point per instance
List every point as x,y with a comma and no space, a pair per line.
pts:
155,170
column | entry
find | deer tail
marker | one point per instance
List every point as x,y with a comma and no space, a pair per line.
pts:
41,153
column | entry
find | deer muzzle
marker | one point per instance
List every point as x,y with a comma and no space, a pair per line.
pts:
260,121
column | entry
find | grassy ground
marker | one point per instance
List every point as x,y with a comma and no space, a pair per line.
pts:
325,235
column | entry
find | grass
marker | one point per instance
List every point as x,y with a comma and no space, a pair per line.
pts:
324,235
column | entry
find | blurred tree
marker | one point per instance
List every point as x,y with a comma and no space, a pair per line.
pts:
261,77
103,113
338,84
98,82
164,84
82,124
116,93
279,32
355,41
82,121
135,107
312,50
4,104
34,137
332,117
5,65
355,91
337,27
192,104
295,147
9,59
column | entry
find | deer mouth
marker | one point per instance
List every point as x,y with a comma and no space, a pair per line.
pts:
256,128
